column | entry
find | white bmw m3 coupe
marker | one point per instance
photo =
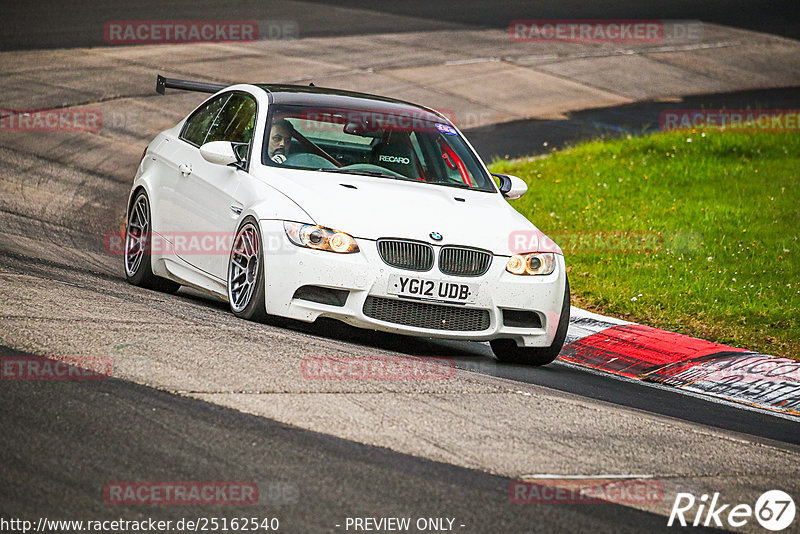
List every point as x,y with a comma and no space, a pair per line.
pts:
304,202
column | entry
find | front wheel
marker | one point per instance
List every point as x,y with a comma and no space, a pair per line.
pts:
507,350
138,241
246,273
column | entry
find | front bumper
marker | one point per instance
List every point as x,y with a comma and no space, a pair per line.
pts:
365,276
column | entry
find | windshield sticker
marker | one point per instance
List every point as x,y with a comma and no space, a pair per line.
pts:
394,159
445,129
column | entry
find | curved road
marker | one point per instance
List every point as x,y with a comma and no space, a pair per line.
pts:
200,395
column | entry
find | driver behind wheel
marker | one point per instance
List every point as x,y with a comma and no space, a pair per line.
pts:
280,140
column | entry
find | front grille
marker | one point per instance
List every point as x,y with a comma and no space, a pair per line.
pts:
459,261
408,255
423,315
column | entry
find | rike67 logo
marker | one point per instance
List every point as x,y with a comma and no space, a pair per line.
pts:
774,510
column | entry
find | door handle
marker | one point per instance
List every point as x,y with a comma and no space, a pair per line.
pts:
186,169
236,209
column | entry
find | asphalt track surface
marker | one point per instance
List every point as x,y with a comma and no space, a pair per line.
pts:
61,442
47,24
78,436
561,376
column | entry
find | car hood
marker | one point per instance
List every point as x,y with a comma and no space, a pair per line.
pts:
371,208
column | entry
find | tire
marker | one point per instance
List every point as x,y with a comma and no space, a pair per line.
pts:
507,350
137,258
246,273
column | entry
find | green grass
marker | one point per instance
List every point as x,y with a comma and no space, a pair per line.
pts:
715,218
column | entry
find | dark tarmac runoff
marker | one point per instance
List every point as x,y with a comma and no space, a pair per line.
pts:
534,137
63,442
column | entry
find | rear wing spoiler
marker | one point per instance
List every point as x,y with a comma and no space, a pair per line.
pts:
163,83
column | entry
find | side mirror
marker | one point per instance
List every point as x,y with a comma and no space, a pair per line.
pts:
219,152
510,186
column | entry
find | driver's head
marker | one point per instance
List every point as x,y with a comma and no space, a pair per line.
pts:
280,138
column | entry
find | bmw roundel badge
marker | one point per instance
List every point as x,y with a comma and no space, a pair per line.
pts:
436,236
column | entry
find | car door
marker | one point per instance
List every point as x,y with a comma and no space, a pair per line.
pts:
174,167
206,207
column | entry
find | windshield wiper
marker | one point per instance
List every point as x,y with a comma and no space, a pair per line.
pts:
366,173
460,185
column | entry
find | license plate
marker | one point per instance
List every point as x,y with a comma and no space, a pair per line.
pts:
423,288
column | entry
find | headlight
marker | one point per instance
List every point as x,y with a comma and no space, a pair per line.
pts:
533,264
320,238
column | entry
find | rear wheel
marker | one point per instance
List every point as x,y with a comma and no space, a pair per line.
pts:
138,231
246,273
507,350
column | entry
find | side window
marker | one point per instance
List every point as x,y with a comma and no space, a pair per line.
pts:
235,122
198,124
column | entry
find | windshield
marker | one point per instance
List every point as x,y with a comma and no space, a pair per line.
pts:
415,145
